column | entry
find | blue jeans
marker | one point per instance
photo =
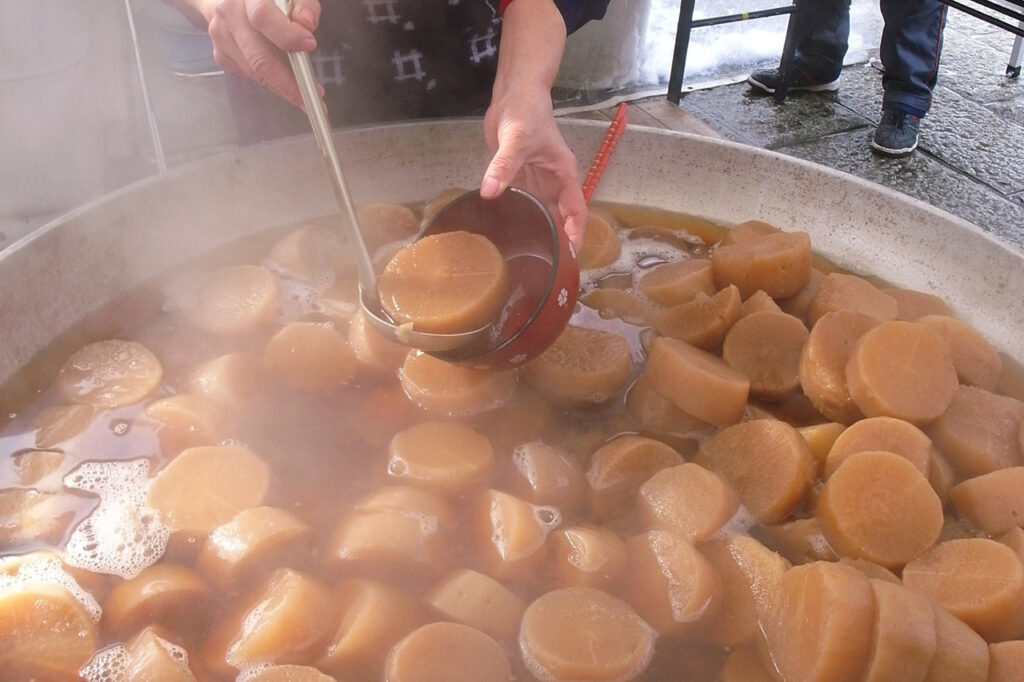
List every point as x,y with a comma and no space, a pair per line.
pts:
910,47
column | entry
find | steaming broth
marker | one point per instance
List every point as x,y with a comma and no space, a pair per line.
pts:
287,516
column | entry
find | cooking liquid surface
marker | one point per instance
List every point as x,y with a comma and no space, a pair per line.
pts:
325,450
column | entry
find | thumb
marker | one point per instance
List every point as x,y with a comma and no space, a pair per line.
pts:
306,13
498,176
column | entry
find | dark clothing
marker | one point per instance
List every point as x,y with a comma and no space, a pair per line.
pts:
910,47
388,60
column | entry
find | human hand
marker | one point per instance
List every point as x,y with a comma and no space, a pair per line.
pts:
530,151
519,125
249,35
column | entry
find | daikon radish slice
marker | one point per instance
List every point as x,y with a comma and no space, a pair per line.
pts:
751,575
901,369
109,374
779,263
45,632
774,482
821,438
823,364
799,304
824,624
313,253
447,458
747,230
373,349
509,534
254,540
618,469
454,390
33,465
759,301
58,423
186,421
285,620
688,500
669,583
799,540
310,356
677,282
548,475
228,381
472,598
581,633
616,303
397,532
204,487
912,305
165,594
383,223
659,415
697,382
601,244
992,502
372,617
151,658
979,431
434,652
583,366
445,283
850,293
766,347
702,322
588,555
878,506
235,299
980,581
977,362
961,655
882,433
905,641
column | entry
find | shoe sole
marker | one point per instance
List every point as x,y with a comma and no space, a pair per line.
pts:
893,152
821,87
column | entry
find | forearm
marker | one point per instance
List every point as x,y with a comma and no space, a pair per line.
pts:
532,42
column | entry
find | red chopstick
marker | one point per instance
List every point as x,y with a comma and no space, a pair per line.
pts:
604,152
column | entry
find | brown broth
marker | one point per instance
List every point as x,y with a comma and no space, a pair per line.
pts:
326,451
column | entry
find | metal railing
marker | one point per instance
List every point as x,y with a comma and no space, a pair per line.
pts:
687,23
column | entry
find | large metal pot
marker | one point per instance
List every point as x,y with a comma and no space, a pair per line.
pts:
84,259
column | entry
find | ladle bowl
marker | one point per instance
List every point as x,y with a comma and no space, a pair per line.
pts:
544,276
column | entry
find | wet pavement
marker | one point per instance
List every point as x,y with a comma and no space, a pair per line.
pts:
970,161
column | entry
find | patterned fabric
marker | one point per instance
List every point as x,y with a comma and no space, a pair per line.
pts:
383,60
388,60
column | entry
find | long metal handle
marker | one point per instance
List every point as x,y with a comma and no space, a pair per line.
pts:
317,112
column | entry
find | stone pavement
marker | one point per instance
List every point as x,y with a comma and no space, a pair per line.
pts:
971,156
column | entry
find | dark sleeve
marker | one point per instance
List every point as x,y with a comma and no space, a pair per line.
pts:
578,12
575,13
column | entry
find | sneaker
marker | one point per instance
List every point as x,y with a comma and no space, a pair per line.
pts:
896,134
768,80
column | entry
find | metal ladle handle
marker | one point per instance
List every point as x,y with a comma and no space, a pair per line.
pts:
317,112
